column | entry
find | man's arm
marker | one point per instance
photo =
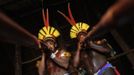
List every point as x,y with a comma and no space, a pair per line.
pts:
76,58
53,56
61,58
120,8
41,65
101,46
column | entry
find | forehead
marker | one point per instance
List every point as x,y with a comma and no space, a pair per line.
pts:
81,34
49,41
52,42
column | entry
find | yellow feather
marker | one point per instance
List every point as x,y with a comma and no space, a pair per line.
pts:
73,35
78,28
42,32
56,33
52,29
74,28
85,26
50,32
73,31
46,30
48,35
40,36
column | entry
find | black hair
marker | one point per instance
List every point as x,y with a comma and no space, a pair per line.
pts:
81,33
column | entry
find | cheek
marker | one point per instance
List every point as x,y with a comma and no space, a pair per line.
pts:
81,38
52,46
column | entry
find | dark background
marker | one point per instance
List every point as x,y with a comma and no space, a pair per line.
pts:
28,14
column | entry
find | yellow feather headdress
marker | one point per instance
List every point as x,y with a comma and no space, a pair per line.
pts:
47,31
76,27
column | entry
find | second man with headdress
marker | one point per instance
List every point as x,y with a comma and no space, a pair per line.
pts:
89,58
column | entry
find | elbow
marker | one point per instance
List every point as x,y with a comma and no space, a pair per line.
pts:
75,64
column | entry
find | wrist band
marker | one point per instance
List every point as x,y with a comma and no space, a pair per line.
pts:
52,56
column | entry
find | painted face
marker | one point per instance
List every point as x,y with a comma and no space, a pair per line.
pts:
81,36
50,45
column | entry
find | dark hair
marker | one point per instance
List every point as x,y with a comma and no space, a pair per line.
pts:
81,33
49,39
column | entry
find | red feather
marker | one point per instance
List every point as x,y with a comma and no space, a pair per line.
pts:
70,15
67,18
45,18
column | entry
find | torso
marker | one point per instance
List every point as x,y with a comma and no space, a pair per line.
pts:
98,60
92,61
53,68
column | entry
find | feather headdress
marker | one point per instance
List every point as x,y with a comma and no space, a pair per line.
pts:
47,31
76,27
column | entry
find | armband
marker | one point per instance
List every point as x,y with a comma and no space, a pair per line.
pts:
52,56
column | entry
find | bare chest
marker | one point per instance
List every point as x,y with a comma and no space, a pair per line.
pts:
54,69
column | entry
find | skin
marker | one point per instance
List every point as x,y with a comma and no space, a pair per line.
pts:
92,60
81,56
110,18
40,65
50,45
57,68
112,15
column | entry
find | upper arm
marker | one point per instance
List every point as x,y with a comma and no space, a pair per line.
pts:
100,48
41,65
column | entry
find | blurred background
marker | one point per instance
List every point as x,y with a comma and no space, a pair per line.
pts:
27,13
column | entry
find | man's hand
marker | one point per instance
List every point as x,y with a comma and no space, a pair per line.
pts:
79,46
84,42
45,49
